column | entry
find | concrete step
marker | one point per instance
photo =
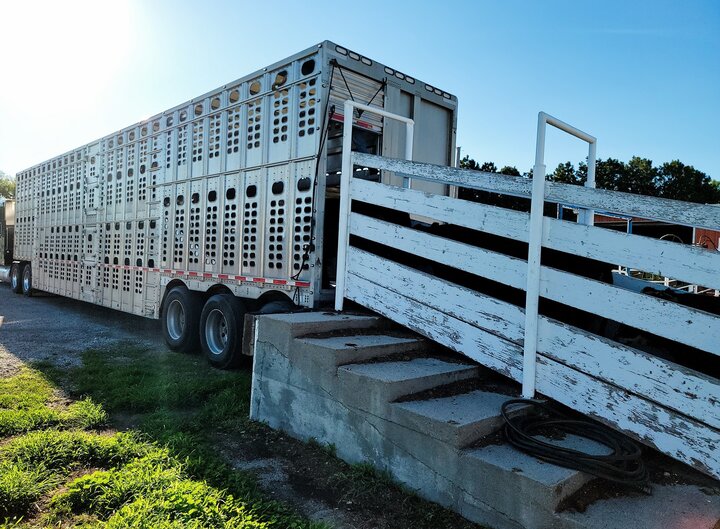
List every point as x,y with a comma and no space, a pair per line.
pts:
371,386
489,472
355,348
304,323
281,329
458,420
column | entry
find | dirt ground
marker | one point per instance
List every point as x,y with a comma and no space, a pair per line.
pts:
57,330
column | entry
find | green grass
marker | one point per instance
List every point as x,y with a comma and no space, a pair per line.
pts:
163,474
27,402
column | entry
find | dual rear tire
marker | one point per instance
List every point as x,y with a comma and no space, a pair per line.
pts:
21,278
216,329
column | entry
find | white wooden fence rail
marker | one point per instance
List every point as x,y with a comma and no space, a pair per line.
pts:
672,408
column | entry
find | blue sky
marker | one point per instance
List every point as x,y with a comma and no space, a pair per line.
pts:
642,76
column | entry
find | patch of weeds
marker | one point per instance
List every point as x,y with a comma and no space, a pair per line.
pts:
64,450
104,491
21,485
27,403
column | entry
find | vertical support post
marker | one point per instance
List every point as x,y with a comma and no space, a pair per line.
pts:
343,220
587,216
408,150
532,291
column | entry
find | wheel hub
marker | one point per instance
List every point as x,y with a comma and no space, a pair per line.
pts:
216,332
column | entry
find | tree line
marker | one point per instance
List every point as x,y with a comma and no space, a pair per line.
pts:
673,180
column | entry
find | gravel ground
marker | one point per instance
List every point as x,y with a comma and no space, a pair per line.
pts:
58,330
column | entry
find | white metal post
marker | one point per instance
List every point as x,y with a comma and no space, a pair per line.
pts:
345,180
408,151
343,228
532,292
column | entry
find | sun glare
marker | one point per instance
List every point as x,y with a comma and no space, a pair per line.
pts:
59,63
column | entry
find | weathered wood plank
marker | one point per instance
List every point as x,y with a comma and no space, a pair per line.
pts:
665,383
655,379
684,262
657,316
663,318
675,211
677,435
498,267
475,308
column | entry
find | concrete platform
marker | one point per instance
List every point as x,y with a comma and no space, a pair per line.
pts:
311,379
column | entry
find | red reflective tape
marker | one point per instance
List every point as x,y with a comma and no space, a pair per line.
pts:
302,284
223,276
279,282
259,280
207,274
167,271
193,274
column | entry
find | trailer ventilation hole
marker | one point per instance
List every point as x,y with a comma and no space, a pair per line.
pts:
215,103
234,96
183,115
303,184
151,263
169,121
198,109
143,130
195,198
166,203
308,67
251,191
180,200
277,188
212,196
255,87
280,79
156,126
230,193
131,135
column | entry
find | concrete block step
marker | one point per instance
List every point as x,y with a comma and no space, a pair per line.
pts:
491,471
458,420
303,323
281,329
372,386
357,348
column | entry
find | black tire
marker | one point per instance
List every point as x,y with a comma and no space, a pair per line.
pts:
221,330
181,320
16,271
27,288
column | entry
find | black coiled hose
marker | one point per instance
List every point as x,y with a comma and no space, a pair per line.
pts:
622,465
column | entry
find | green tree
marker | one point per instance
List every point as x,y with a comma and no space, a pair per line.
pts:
509,170
684,182
7,185
565,174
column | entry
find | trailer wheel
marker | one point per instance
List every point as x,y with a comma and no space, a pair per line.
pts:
16,271
180,320
27,288
221,329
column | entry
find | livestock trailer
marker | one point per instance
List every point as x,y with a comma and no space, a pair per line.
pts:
224,204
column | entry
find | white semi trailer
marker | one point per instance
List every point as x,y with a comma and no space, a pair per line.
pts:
224,204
